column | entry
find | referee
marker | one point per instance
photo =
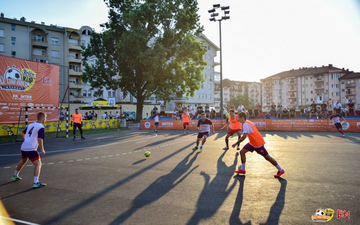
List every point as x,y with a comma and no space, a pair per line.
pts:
77,120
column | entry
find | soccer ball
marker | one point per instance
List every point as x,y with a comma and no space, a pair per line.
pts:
319,212
147,153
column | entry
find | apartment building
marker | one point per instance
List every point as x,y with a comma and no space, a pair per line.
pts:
300,87
46,44
231,89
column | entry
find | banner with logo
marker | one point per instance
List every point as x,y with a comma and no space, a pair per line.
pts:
261,124
13,129
27,83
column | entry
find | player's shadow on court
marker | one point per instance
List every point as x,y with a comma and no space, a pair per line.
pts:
215,192
278,206
160,187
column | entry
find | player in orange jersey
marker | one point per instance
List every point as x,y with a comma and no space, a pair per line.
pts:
186,121
256,142
235,127
77,120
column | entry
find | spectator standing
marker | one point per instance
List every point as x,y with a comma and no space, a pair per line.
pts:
251,114
33,136
273,109
351,107
117,115
279,112
312,109
330,103
110,115
240,108
104,116
94,115
207,110
162,105
303,113
338,106
285,113
213,114
199,110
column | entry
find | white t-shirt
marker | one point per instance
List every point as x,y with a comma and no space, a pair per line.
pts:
32,133
104,116
156,118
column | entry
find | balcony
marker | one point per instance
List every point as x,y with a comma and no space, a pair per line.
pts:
268,91
268,96
74,73
292,97
352,84
76,98
73,85
318,94
291,89
267,85
292,104
350,93
217,99
317,87
292,82
42,57
319,79
39,43
74,60
73,46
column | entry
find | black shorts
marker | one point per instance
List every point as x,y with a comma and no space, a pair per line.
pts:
338,126
32,155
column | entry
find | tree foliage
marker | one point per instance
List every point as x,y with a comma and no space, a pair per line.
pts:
244,100
147,47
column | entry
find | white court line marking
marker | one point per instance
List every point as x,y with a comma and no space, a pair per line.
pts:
87,159
79,160
19,221
90,147
50,163
140,142
96,157
61,161
103,156
29,165
110,155
71,161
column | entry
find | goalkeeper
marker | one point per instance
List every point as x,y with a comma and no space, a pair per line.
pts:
76,121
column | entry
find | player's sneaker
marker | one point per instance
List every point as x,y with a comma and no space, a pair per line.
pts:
195,148
240,171
343,135
15,177
279,173
187,132
184,133
200,148
74,138
82,137
38,185
238,148
226,148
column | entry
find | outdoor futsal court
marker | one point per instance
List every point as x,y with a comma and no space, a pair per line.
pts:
106,179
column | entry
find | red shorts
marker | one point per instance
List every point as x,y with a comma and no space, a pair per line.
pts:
32,155
186,124
232,132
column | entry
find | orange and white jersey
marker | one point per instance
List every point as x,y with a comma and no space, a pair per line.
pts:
255,138
185,118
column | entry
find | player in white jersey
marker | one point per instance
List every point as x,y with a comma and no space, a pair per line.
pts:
156,120
203,126
33,135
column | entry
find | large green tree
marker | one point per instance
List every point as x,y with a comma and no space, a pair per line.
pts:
244,100
147,47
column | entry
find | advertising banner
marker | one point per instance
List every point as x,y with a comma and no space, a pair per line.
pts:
352,125
25,83
12,129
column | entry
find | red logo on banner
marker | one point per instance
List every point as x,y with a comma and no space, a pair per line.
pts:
343,215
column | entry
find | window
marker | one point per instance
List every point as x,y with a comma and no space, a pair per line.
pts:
334,93
74,67
2,33
89,93
13,40
55,54
13,27
38,38
37,51
335,86
84,93
335,76
55,41
13,54
202,85
83,43
198,96
2,47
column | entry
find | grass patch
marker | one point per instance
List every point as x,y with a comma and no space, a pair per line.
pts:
7,139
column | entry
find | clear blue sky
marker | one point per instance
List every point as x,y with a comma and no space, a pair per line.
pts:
262,37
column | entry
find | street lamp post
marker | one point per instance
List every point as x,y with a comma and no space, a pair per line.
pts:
215,17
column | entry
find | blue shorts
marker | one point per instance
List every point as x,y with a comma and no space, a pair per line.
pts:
260,150
202,134
32,155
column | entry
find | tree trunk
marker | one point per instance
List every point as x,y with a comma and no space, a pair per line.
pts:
139,107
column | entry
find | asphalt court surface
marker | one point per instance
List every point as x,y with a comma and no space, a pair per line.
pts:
106,179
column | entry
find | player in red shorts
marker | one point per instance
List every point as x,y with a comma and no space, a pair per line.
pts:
256,143
186,121
235,127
